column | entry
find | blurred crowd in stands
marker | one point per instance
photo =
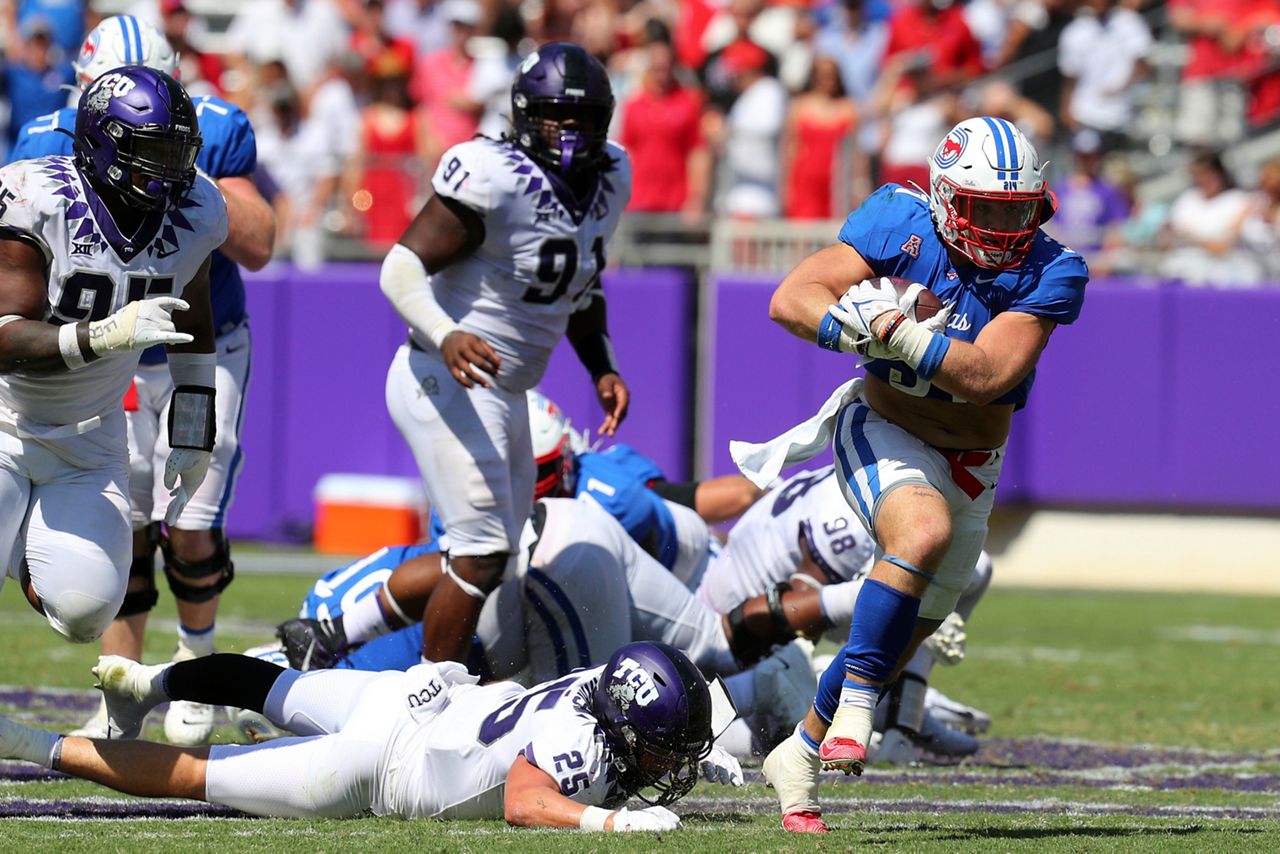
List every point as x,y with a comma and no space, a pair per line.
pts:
749,109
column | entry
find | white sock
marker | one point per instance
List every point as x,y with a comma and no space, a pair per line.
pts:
856,713
365,619
742,690
198,642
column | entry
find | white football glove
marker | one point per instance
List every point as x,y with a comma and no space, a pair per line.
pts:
455,673
184,471
137,326
649,818
721,766
859,306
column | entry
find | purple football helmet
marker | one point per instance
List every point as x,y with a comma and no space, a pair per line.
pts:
137,134
561,104
655,709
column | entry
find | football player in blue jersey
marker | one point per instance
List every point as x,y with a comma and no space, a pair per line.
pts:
197,562
919,441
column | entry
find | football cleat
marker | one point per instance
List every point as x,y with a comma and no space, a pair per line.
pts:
842,754
18,741
792,770
940,739
955,714
96,726
188,724
784,688
130,690
311,644
947,643
892,747
802,821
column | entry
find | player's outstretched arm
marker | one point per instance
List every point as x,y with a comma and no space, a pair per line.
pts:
251,223
29,344
588,332
802,300
533,799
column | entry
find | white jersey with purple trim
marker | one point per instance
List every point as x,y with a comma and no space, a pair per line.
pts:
456,766
93,272
764,547
541,257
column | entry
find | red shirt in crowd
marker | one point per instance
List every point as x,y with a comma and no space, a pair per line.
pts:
944,34
659,130
1208,59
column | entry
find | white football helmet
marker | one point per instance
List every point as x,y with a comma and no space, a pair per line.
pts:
987,192
123,40
552,447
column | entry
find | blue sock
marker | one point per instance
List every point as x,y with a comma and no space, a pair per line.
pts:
829,685
883,622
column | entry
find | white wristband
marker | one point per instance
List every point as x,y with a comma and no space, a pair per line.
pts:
194,369
593,818
910,340
69,344
406,284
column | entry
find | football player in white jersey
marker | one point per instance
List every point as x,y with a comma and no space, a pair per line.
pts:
502,262
795,563
423,743
95,251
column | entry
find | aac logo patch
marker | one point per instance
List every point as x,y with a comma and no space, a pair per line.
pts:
911,247
952,148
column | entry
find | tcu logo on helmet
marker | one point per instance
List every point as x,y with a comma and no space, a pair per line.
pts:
106,87
638,687
952,147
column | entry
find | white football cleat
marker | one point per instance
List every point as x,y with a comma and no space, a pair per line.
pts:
955,714
96,726
784,689
792,770
130,690
947,643
18,741
188,724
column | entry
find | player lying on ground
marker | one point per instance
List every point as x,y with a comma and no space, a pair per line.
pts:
795,564
620,479
581,588
424,743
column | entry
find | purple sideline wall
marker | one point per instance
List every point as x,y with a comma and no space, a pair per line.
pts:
1159,396
322,343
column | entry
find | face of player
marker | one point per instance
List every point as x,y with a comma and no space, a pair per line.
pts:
1003,216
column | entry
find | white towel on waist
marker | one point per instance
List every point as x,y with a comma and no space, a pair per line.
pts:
762,462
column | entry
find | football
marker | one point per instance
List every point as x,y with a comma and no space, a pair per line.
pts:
927,303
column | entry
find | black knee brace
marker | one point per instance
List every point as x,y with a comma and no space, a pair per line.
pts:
144,567
219,563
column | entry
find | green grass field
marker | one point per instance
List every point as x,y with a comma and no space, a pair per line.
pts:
1123,722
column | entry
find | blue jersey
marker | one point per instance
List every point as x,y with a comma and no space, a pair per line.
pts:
893,231
336,591
617,479
229,149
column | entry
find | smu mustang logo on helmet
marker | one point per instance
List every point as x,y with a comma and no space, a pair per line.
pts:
952,148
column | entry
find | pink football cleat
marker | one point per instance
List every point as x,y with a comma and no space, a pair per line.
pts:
803,821
842,754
